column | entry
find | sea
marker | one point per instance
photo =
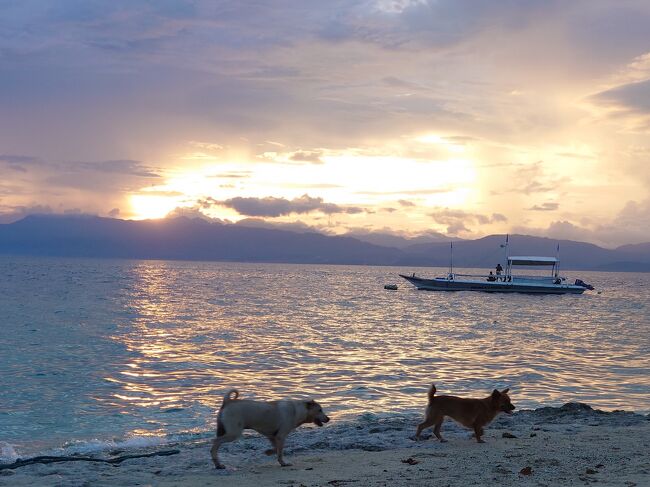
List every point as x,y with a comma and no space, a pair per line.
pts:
116,354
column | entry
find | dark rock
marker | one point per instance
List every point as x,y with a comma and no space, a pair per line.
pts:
590,471
508,435
526,471
576,407
410,461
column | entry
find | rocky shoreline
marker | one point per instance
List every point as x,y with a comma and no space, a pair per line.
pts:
569,445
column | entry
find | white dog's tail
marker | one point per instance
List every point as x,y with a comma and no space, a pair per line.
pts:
230,395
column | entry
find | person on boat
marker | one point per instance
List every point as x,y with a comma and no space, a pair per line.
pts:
491,277
499,270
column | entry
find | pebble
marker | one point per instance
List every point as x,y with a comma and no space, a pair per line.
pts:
526,471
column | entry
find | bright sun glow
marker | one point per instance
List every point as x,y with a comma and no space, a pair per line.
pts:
347,177
146,206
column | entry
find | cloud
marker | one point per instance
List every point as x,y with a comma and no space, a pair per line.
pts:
10,214
532,178
122,166
628,226
111,176
233,175
631,100
193,212
19,163
548,206
15,159
457,220
274,207
313,157
301,156
406,203
633,97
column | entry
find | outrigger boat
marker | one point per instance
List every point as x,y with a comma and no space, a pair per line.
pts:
507,282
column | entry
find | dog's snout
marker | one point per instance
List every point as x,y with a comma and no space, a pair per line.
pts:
326,419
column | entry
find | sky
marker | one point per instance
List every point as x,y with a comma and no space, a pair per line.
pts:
455,117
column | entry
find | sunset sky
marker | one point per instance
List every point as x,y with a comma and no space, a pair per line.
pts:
462,117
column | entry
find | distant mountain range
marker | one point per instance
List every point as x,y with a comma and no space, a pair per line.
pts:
195,239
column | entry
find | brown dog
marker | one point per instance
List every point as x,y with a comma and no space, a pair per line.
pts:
471,413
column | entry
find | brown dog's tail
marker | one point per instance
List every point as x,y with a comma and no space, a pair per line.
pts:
432,392
230,395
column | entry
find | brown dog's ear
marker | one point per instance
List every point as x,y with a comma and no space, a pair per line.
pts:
310,404
505,391
495,395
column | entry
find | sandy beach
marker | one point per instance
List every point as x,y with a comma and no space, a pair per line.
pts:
570,445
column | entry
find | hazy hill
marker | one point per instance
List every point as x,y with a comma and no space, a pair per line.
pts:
182,239
397,241
195,239
486,252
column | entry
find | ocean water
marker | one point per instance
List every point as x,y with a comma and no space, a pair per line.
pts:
100,354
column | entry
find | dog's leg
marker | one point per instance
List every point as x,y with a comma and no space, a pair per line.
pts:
436,429
422,426
478,432
222,437
273,450
279,445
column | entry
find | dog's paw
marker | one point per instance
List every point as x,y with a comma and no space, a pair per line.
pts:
442,440
220,466
284,464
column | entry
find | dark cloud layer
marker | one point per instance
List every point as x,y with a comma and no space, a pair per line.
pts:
274,207
632,98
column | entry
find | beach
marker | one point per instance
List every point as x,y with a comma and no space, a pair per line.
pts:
570,445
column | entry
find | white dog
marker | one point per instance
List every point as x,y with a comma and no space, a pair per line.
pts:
274,419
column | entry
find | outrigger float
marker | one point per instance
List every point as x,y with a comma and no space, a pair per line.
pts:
507,282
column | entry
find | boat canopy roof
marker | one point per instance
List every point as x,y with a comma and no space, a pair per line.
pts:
528,260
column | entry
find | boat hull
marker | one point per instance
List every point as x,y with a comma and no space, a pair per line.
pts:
442,284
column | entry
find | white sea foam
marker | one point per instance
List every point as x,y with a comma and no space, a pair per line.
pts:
95,446
7,452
